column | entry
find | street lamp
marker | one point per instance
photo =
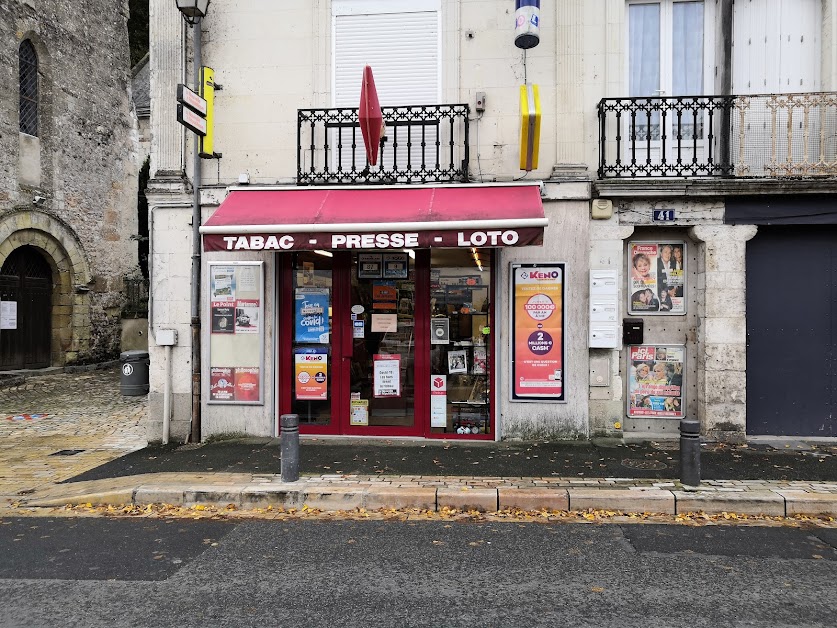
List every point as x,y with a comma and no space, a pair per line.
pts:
193,11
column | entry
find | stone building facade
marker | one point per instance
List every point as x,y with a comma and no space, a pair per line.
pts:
69,179
725,143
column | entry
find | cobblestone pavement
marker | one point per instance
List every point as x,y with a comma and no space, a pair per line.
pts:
63,412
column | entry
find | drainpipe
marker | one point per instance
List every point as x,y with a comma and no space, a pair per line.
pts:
195,435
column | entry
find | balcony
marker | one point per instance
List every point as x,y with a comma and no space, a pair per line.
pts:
421,144
758,136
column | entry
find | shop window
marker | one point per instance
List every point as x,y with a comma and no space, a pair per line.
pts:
460,350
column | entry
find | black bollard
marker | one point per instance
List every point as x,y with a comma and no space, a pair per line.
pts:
689,453
290,447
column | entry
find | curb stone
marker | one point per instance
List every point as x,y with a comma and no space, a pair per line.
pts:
744,503
435,498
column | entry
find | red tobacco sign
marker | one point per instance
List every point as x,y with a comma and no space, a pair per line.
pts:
370,117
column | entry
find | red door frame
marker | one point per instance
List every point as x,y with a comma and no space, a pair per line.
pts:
341,343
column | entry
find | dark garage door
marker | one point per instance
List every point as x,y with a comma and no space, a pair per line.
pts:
792,331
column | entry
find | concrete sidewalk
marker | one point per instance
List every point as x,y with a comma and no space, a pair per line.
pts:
483,494
73,439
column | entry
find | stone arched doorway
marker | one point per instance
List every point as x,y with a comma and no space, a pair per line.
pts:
26,284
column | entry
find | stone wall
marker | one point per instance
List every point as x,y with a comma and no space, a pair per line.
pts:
83,165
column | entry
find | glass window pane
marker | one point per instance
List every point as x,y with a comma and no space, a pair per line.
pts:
460,350
312,364
687,49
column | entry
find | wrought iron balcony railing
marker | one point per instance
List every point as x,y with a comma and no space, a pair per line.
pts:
421,144
768,135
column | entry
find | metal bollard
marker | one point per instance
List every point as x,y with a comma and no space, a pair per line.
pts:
689,454
289,447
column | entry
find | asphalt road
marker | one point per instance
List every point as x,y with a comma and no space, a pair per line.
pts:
154,572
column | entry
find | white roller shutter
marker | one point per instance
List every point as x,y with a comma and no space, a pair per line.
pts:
401,48
400,41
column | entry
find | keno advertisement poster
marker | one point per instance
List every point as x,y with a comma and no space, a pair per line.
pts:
537,298
655,381
311,375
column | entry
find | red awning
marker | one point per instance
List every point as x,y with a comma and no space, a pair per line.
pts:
376,218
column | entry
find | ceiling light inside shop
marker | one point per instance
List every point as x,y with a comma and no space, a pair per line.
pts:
324,253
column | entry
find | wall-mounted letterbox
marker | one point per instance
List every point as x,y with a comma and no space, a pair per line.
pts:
632,331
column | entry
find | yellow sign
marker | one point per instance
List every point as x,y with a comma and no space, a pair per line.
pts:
530,126
208,94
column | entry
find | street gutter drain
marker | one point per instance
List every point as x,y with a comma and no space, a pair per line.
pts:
67,452
645,465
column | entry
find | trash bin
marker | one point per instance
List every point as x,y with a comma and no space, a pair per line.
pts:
134,379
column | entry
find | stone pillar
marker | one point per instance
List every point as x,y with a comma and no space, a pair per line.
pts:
722,329
569,78
166,59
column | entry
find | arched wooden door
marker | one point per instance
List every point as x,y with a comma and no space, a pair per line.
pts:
25,281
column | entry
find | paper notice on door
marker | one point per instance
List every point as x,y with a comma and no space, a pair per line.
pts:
382,323
359,412
8,314
387,380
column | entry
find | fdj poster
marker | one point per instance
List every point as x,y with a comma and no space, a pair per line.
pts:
311,375
655,381
311,315
537,297
657,283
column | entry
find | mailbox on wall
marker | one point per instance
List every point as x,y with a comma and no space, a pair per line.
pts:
632,331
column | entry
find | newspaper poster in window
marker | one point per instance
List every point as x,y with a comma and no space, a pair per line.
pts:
657,278
537,343
236,309
655,381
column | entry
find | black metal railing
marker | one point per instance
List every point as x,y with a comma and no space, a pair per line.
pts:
421,144
136,297
765,135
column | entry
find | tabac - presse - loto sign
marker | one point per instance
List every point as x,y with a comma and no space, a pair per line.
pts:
537,310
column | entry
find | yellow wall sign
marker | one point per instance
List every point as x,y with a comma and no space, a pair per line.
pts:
208,94
530,126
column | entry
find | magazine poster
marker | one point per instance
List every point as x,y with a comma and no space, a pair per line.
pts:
657,283
223,283
223,317
387,375
311,315
480,360
655,381
247,382
311,375
537,296
221,384
457,362
247,316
